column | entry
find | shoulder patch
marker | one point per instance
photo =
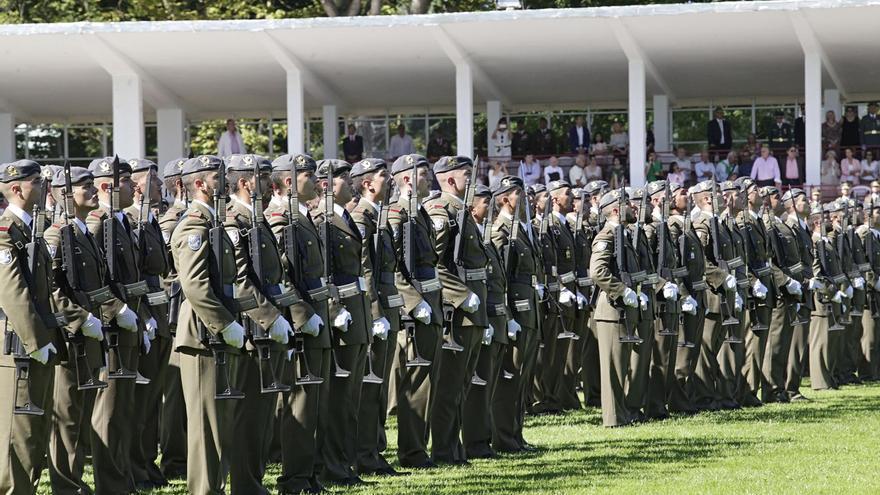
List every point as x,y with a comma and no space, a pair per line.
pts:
438,223
52,249
277,215
601,246
233,236
5,256
194,241
434,207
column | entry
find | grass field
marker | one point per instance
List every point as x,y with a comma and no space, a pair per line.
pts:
828,445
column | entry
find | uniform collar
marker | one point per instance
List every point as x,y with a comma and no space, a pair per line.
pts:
236,199
374,205
119,215
79,223
205,206
561,217
453,198
339,210
21,214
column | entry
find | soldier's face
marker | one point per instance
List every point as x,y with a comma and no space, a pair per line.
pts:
126,191
342,189
800,204
480,208
875,216
564,201
306,186
379,183
30,191
149,179
85,195
754,197
775,202
680,199
423,181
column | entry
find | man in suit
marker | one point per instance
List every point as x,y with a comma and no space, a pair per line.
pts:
544,142
579,137
718,132
353,145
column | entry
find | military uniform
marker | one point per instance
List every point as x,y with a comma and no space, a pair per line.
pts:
731,357
826,312
870,130
573,373
306,402
859,267
800,333
416,283
780,136
24,296
868,345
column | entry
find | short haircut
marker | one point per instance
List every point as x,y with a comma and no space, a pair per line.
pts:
233,176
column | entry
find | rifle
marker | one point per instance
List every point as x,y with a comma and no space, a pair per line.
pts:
822,254
669,312
217,239
628,278
683,249
582,242
303,375
844,251
269,381
370,375
326,231
727,303
409,232
872,259
732,336
124,292
756,324
76,342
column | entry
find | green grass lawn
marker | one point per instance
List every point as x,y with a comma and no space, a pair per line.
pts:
828,445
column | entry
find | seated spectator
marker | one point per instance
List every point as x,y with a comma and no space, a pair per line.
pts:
830,169
653,168
530,171
617,174
619,140
676,175
683,160
791,171
746,160
600,150
850,168
576,176
728,169
496,173
870,167
704,168
765,171
593,171
552,171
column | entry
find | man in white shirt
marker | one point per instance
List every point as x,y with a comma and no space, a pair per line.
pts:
553,171
530,171
401,144
230,141
683,161
576,175
705,169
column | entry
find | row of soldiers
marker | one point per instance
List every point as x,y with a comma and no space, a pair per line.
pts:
232,332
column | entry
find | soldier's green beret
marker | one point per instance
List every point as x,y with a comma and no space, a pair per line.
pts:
482,191
537,188
659,186
174,167
302,162
103,167
729,185
367,166
792,193
141,165
245,163
507,183
768,191
201,163
405,163
77,175
450,163
595,187
339,167
49,171
557,184
611,197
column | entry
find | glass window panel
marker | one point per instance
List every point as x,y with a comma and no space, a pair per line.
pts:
316,139
85,142
151,141
279,137
21,141
46,141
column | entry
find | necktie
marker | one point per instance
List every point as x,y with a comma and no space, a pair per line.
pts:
350,222
234,144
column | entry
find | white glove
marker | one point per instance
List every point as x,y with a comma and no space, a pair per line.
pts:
151,327
670,291
838,297
815,284
643,301
147,343
566,298
759,290
381,327
797,307
848,292
689,305
127,319
513,329
541,290
488,333
422,312
233,334
313,326
343,318
794,287
858,283
630,298
471,304
42,354
730,282
280,330
92,328
581,300
738,302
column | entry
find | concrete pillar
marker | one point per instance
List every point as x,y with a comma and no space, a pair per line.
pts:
493,113
464,110
295,113
661,123
833,103
637,129
7,138
813,116
128,116
171,126
331,132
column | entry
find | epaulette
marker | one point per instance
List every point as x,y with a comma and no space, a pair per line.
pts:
434,207
56,225
3,228
276,214
96,213
394,210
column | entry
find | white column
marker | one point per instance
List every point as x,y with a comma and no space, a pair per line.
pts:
637,122
128,116
493,113
7,138
170,123
833,103
661,123
331,132
295,113
813,116
464,110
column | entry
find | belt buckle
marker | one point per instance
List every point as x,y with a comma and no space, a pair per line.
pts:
157,298
522,305
567,277
393,301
